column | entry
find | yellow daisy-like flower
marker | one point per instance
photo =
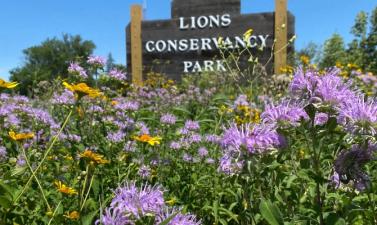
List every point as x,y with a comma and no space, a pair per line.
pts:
64,188
305,59
93,157
83,89
19,137
74,215
148,139
7,85
339,65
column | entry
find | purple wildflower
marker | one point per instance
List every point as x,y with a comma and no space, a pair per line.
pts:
230,165
328,90
175,145
321,119
96,61
241,101
187,157
332,90
168,119
127,106
335,180
3,153
116,137
130,146
95,109
20,161
360,116
286,113
117,75
349,165
202,151
178,219
142,127
132,203
192,125
304,83
66,98
76,69
212,138
144,171
194,138
114,216
256,139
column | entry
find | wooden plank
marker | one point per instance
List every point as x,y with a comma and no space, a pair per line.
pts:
280,49
136,45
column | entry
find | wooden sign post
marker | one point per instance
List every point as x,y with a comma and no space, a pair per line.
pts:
136,45
188,43
281,39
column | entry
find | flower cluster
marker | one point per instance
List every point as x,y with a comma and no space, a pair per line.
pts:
349,165
75,69
132,204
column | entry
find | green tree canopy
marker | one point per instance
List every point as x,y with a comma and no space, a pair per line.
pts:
49,60
333,51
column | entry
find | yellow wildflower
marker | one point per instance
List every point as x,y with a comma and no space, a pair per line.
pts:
220,42
256,118
247,35
64,188
352,66
114,103
172,201
82,89
305,59
287,70
68,157
80,111
7,85
94,157
21,136
148,139
74,215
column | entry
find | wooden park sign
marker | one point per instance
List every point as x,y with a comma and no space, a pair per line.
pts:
190,41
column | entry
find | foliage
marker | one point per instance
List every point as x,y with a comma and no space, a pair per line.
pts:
362,49
228,155
49,60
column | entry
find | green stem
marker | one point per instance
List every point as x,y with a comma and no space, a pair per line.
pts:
316,156
84,185
87,193
44,157
53,215
36,179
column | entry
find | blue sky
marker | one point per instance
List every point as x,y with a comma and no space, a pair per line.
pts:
24,23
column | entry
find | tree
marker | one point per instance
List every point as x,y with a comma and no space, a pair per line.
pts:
356,52
371,52
311,50
333,52
49,60
110,62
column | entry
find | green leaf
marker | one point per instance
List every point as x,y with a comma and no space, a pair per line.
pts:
5,202
88,219
270,213
311,111
18,171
